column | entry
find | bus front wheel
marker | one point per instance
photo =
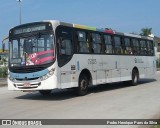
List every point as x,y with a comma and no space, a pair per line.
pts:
82,88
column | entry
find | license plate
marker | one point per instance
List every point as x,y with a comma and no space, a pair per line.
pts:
26,85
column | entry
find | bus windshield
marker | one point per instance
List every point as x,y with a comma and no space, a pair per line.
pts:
35,50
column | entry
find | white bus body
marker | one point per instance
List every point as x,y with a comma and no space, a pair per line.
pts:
98,68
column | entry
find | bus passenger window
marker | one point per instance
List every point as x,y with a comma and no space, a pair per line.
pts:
65,47
96,43
118,48
136,49
82,43
108,43
150,48
143,47
62,48
127,43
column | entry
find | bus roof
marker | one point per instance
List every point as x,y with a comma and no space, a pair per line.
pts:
108,31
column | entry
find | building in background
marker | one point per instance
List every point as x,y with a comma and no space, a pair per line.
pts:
157,50
157,45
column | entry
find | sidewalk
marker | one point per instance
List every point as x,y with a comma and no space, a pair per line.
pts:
3,82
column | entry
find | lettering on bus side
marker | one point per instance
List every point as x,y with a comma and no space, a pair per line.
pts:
138,60
92,61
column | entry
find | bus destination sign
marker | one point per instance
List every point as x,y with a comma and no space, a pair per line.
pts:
29,29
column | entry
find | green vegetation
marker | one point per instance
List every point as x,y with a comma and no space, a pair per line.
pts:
146,31
3,67
3,72
156,126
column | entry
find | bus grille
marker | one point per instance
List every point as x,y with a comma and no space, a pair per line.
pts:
27,79
30,86
29,69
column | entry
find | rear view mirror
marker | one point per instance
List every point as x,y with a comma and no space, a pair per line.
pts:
3,47
3,43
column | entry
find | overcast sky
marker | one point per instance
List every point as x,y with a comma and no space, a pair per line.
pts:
121,15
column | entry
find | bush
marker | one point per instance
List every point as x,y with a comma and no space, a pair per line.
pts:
3,72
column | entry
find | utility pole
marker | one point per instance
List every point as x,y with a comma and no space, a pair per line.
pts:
20,13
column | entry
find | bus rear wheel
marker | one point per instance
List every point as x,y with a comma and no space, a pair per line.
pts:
135,77
45,92
82,88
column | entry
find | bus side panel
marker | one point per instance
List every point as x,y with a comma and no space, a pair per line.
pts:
98,69
151,67
111,67
126,66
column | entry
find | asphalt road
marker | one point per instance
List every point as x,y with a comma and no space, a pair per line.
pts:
3,82
111,101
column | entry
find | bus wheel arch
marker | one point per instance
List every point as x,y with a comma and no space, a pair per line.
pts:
135,76
88,74
84,80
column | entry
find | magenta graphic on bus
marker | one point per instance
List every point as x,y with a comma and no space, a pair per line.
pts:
40,57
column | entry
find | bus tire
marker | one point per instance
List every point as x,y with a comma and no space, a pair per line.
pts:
45,92
83,83
135,77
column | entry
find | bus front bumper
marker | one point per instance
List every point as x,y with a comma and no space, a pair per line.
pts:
33,85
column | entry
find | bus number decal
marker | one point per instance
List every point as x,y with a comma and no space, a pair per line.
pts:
92,61
139,60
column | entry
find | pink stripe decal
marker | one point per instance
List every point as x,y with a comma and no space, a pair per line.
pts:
44,52
40,57
40,61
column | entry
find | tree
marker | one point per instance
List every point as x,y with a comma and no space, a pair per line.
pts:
146,31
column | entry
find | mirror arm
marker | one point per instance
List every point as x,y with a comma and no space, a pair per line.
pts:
3,44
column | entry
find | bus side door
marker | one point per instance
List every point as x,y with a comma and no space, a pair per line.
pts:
64,56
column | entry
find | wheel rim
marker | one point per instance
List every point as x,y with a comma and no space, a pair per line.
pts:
135,79
83,85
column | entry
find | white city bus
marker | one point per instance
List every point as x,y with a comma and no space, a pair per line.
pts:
55,55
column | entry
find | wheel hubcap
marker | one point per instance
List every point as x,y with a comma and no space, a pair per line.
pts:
83,85
135,79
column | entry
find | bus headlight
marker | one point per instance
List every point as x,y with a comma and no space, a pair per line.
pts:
11,78
49,74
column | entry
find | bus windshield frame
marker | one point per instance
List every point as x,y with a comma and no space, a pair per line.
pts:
31,45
